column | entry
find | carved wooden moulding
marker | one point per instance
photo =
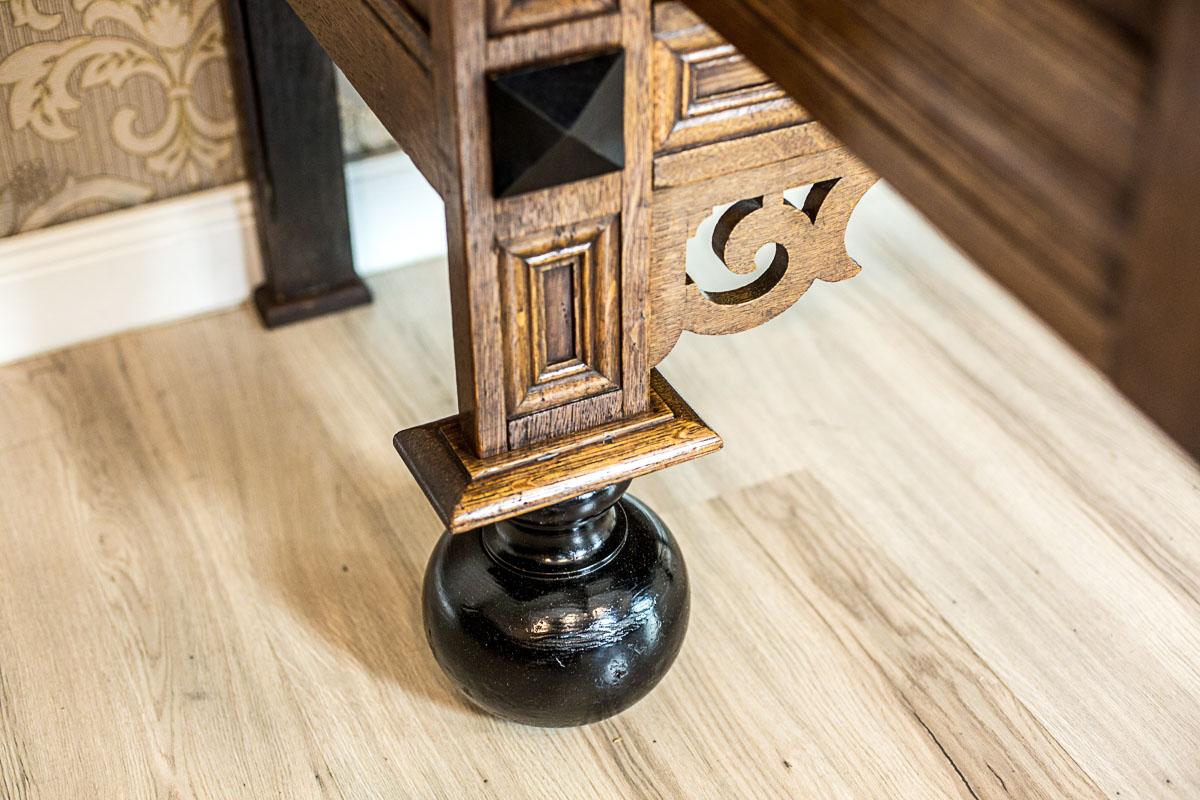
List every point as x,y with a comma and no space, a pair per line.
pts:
808,246
562,321
808,239
468,492
578,145
705,90
509,16
714,112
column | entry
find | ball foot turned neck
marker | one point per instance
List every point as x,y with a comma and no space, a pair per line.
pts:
563,616
561,541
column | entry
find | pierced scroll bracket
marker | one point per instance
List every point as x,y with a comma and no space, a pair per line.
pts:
809,242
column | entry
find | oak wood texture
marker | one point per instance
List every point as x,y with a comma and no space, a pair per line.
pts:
636,200
714,113
1052,141
562,315
484,233
459,67
294,154
705,90
563,298
468,492
939,557
508,16
725,134
815,250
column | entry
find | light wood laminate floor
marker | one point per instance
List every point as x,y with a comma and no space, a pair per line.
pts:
939,557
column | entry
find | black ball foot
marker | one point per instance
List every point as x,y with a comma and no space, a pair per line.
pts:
564,616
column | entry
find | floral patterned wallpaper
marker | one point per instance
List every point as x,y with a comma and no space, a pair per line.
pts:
110,103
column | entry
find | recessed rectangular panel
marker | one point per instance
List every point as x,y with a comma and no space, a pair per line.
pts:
562,326
558,301
720,78
705,90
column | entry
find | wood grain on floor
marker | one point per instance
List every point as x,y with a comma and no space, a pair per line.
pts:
940,557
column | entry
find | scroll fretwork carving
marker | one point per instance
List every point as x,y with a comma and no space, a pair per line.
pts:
809,246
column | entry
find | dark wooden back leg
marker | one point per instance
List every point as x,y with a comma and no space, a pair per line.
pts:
293,141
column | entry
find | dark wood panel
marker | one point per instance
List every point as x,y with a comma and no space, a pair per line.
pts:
1157,351
294,153
1138,19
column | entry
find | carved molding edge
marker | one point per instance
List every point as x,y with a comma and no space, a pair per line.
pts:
468,492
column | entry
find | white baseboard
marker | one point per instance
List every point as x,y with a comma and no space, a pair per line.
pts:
396,217
176,258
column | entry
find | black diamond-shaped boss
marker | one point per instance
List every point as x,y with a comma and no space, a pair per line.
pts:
557,124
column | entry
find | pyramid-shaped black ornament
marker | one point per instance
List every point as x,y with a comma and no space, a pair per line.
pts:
557,124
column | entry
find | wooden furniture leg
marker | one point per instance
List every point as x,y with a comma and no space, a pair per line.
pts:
293,144
578,145
561,616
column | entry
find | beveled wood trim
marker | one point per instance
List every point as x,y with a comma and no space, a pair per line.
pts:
699,164
408,25
536,382
659,413
706,91
468,492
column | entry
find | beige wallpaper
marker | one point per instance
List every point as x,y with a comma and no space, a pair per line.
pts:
111,103
108,103
362,132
